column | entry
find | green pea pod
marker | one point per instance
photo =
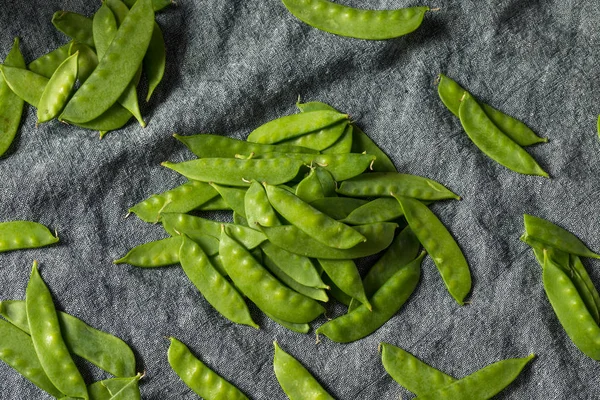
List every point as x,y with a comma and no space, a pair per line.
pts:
337,207
87,60
483,384
361,143
559,257
257,207
12,105
338,294
385,183
123,388
216,290
314,106
48,341
585,286
102,349
46,64
411,372
58,89
159,253
16,350
16,235
155,60
493,142
76,26
379,236
104,26
308,291
299,268
233,196
379,210
553,235
440,245
343,145
386,302
198,377
294,379
310,188
345,276
300,328
357,23
321,139
157,5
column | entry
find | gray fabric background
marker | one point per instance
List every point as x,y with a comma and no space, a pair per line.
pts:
233,65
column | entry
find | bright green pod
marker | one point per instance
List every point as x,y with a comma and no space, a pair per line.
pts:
411,372
310,188
215,204
123,388
357,23
212,285
308,291
379,210
12,105
257,207
16,235
441,246
48,341
102,349
386,302
553,235
159,253
155,60
338,207
379,236
87,60
299,268
295,380
104,25
46,64
314,223
197,376
75,26
327,181
262,288
337,293
233,172
361,143
585,286
314,106
26,84
343,145
482,384
58,89
233,196
345,276
292,126
321,139
493,142
376,184
16,350
116,69
300,328
559,257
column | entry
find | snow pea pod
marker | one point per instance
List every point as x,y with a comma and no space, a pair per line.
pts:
299,268
233,172
16,350
258,209
321,139
102,349
116,69
75,26
262,288
295,380
553,235
58,89
87,60
292,126
24,235
12,105
310,188
159,253
385,183
233,196
313,293
123,388
216,290
585,286
46,64
357,23
155,60
361,143
345,276
48,341
292,239
300,328
197,376
104,26
493,142
482,384
386,302
343,144
378,210
337,207
442,247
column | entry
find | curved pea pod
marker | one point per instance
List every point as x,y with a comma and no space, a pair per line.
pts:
482,384
233,172
233,196
379,210
379,236
357,23
310,188
75,26
343,145
16,235
215,204
16,350
116,69
102,349
308,291
258,209
321,139
46,64
48,341
300,328
338,294
440,245
58,89
553,235
411,372
311,221
292,126
299,268
493,142
104,27
159,253
215,289
345,276
197,376
571,310
294,379
560,257
386,183
337,207
262,288
155,60
26,84
585,286
386,302
207,145
11,105
183,198
314,106
87,60
361,143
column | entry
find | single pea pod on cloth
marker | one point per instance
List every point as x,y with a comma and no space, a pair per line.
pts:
429,383
568,286
15,235
38,341
357,23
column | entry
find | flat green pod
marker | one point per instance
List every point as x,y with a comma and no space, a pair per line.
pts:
361,143
321,139
15,235
159,253
12,105
308,291
337,207
379,210
87,60
123,388
345,276
155,60
343,145
75,26
46,64
300,328
233,196
58,89
257,207
157,5
26,84
299,268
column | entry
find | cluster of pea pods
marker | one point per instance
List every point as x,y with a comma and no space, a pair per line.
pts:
106,56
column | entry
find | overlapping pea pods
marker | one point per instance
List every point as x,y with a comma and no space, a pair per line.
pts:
106,55
38,342
568,286
302,215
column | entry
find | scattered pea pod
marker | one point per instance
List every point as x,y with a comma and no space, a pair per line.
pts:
159,253
58,89
74,25
24,235
46,64
11,105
